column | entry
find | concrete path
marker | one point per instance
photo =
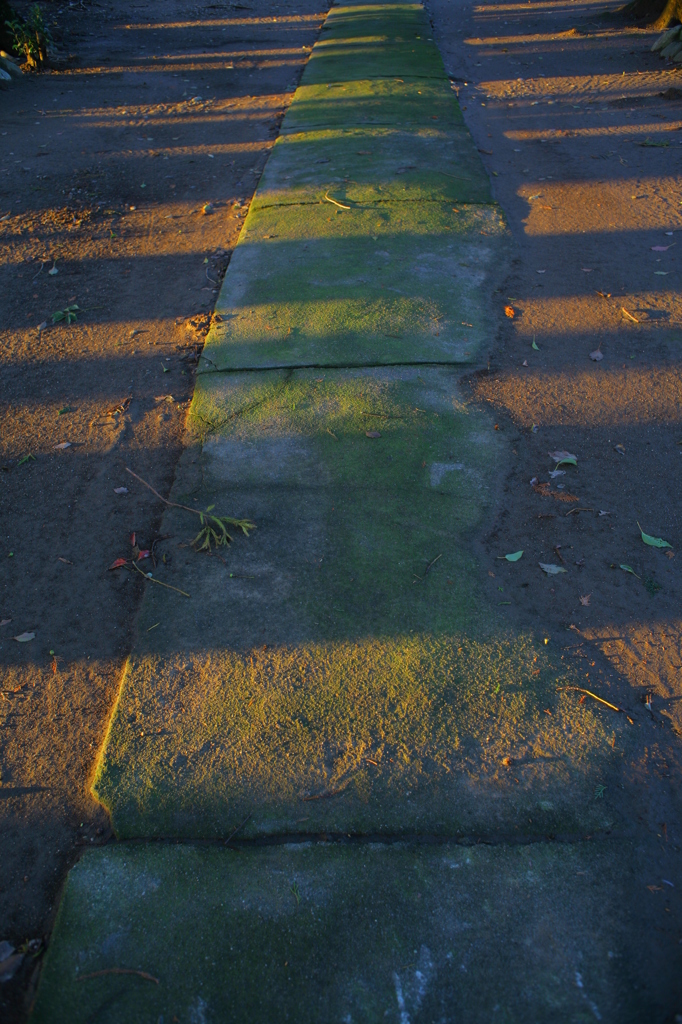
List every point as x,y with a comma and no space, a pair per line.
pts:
336,683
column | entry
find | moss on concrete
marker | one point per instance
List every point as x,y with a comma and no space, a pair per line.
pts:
371,165
323,286
322,676
366,935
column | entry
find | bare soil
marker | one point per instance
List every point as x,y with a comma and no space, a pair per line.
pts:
106,165
580,127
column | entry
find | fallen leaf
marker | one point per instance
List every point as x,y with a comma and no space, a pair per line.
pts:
596,356
509,311
41,327
142,555
557,472
120,490
585,600
525,362
53,271
653,542
64,560
627,568
662,248
619,448
207,208
534,346
514,557
118,563
603,513
63,445
551,570
564,458
542,271
372,433
661,273
23,638
5,622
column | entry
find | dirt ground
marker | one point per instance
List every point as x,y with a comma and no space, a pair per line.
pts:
580,127
105,168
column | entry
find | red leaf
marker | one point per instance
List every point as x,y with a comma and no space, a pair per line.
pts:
141,555
132,539
118,563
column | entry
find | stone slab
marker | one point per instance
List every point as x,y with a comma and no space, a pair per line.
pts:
398,102
352,59
338,670
374,165
316,285
393,22
352,934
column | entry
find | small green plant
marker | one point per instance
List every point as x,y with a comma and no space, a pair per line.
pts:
69,314
31,37
214,530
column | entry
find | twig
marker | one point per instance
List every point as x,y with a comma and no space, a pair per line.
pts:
601,701
330,200
171,504
118,970
579,510
629,315
152,580
211,279
427,569
233,833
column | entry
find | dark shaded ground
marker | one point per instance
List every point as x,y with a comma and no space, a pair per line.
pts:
105,167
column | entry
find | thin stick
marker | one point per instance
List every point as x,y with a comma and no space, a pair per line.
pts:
601,701
233,833
330,200
118,970
152,580
579,510
427,569
171,504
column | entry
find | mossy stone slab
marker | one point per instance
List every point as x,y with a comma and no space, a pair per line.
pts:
367,934
339,671
374,165
318,285
349,60
393,22
397,102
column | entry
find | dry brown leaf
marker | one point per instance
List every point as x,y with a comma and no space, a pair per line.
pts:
510,312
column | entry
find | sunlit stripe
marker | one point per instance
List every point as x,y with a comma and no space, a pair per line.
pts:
649,128
596,397
605,87
536,8
538,37
595,316
590,207
155,68
284,19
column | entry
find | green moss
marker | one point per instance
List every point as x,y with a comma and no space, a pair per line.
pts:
369,165
319,286
379,101
367,933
